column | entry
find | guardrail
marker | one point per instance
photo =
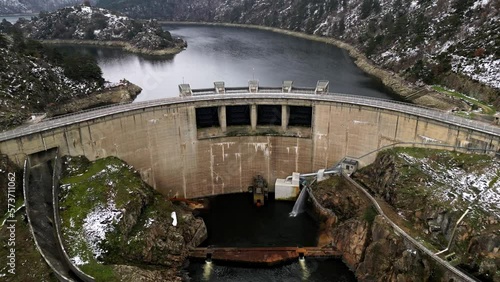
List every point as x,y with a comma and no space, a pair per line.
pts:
242,93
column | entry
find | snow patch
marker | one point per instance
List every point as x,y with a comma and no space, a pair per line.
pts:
450,183
78,261
485,69
480,3
174,218
149,222
100,221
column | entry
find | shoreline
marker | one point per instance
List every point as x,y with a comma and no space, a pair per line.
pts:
424,95
114,44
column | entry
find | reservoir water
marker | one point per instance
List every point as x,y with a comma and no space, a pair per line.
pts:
236,55
14,18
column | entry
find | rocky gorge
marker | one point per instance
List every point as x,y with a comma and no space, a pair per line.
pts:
425,206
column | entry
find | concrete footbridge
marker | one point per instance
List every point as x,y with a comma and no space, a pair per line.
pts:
262,255
188,95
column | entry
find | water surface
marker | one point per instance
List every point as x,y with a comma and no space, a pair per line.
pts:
14,18
311,270
234,221
236,55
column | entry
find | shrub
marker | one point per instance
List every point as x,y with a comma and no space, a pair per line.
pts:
479,52
82,67
370,214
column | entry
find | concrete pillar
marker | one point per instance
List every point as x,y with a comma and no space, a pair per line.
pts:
253,117
284,117
222,118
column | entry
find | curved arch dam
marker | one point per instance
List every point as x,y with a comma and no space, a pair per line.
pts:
215,143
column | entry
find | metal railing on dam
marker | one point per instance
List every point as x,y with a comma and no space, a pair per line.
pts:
264,93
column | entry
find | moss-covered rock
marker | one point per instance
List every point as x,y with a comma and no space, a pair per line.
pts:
111,217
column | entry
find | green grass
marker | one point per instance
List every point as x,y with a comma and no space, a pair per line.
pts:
494,180
87,185
370,214
19,203
100,272
489,110
466,115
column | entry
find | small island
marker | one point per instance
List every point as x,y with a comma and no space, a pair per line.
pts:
88,25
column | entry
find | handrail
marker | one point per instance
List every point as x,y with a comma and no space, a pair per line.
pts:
401,107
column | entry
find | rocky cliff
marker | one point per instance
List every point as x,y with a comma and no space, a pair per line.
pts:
92,25
453,43
375,252
432,189
368,244
112,93
117,228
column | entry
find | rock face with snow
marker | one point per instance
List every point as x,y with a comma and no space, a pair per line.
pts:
34,6
117,227
94,25
431,190
368,243
454,43
33,77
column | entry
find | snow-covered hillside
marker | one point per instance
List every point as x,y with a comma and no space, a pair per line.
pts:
33,77
34,6
455,43
83,22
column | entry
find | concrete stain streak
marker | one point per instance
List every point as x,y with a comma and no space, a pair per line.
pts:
212,169
264,147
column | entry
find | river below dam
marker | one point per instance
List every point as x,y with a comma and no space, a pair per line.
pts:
234,221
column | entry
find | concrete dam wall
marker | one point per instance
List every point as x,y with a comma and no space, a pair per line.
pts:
213,144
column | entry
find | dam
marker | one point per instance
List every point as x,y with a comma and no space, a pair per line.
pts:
213,141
